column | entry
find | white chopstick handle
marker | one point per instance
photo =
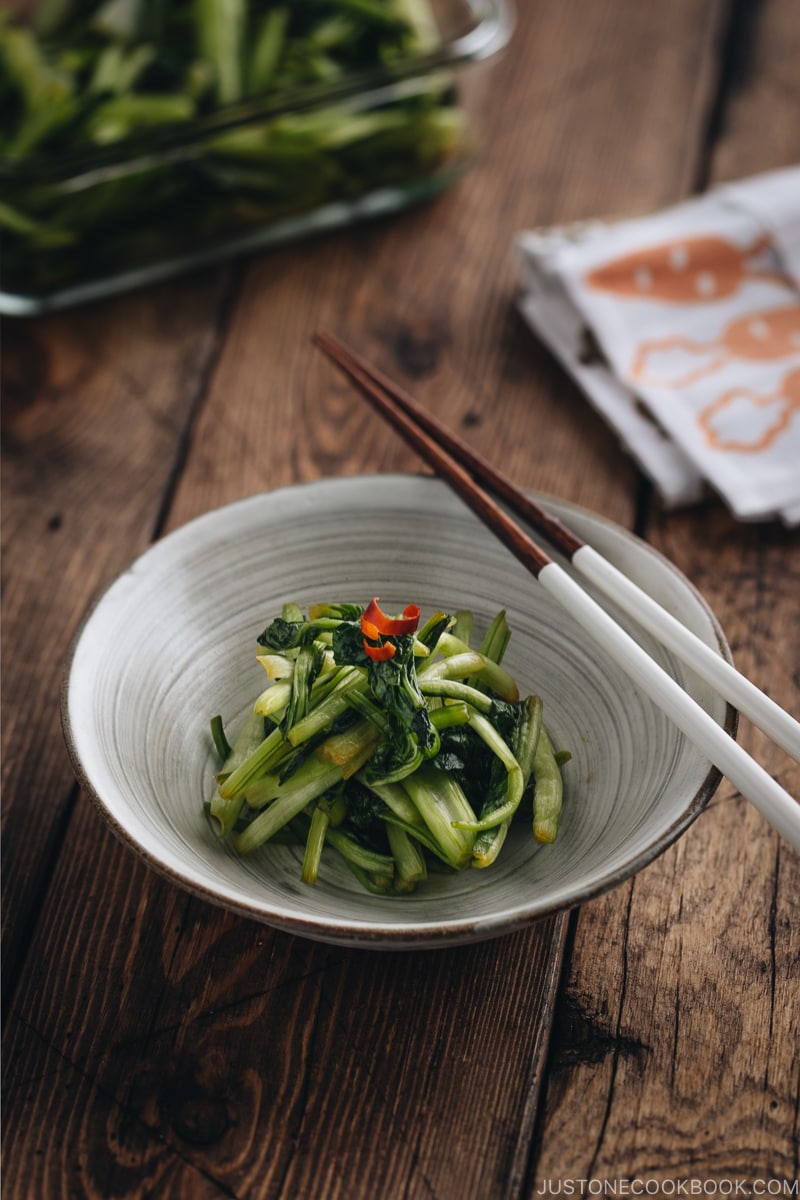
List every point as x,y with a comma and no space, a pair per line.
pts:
772,801
761,710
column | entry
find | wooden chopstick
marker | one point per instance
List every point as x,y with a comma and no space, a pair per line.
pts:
457,465
730,683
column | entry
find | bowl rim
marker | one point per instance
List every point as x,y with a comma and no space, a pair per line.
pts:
375,934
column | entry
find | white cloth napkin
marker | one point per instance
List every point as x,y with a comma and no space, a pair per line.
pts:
683,329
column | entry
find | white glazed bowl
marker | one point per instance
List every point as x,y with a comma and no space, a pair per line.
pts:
172,642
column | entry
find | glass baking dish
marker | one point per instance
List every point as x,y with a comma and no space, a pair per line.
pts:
140,138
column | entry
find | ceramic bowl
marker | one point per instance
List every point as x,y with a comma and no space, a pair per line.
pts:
172,642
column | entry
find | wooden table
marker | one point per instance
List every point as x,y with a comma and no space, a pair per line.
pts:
157,1046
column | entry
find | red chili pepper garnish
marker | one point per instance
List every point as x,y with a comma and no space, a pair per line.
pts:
380,653
391,626
369,630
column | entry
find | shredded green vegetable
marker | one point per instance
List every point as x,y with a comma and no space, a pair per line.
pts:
376,749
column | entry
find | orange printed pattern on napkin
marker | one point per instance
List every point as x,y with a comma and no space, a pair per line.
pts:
757,337
764,417
685,271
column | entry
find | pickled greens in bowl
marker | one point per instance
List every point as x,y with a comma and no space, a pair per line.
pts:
400,746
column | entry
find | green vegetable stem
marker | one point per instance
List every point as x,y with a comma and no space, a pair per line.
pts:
369,746
548,793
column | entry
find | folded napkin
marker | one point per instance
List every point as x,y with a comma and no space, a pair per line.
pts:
683,329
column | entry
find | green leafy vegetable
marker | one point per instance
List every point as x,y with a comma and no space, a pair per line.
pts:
370,744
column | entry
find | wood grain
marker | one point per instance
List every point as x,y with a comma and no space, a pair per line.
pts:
205,1055
95,406
157,1046
761,126
705,942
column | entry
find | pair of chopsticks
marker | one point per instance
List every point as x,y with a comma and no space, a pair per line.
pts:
464,470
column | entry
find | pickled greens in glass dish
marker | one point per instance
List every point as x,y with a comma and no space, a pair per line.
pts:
398,745
142,137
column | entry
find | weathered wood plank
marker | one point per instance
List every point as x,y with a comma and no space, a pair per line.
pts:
192,1053
204,1055
760,129
705,942
94,409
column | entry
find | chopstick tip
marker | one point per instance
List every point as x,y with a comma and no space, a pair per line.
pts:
323,339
